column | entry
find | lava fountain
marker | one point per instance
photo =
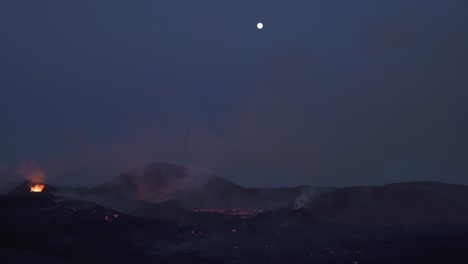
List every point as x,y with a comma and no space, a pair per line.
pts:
36,187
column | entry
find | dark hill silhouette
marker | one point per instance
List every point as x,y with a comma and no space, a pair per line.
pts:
399,203
25,189
22,195
159,182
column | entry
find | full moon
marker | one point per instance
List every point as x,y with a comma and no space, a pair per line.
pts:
260,25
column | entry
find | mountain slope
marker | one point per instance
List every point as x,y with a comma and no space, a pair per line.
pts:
400,203
159,182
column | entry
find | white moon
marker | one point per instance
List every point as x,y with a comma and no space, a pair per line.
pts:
260,25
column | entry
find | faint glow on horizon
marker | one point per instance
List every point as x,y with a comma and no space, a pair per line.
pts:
260,25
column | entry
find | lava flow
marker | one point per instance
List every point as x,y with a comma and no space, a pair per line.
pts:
231,213
36,187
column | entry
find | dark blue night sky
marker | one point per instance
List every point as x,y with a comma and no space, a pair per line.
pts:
328,93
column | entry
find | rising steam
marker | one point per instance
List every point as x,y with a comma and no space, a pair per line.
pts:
305,197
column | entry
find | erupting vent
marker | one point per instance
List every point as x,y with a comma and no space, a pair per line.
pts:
36,187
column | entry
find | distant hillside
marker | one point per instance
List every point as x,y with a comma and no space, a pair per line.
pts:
159,182
399,203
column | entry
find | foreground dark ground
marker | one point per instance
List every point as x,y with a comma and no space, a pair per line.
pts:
35,229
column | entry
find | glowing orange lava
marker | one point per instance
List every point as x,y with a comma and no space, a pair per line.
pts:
36,187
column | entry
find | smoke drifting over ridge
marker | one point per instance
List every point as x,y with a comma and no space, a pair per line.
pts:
29,170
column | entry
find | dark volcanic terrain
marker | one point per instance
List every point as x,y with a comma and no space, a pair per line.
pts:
167,218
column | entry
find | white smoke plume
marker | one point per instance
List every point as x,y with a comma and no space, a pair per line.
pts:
304,198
